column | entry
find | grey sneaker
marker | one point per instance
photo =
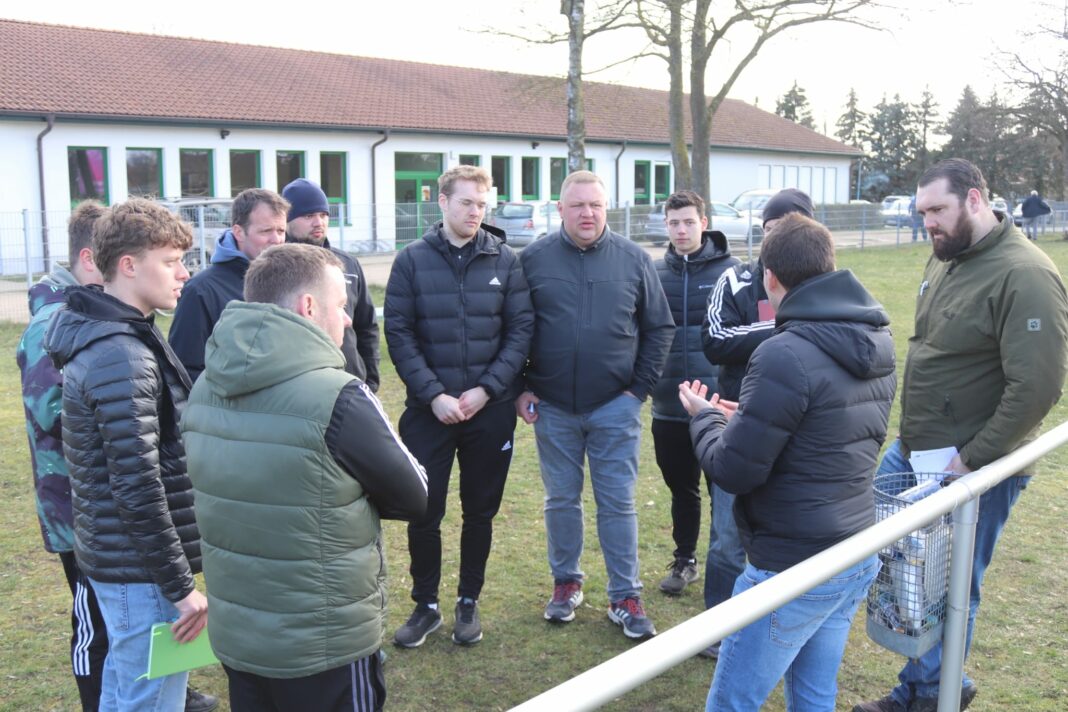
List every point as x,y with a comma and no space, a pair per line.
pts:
711,652
681,572
468,628
629,614
567,596
930,704
423,621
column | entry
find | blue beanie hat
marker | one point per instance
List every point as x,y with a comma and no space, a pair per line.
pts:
304,198
789,200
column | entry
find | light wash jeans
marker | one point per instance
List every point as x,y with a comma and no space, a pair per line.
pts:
609,436
130,610
726,558
802,641
919,677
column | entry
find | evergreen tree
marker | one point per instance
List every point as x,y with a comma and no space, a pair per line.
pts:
853,123
894,145
794,106
926,113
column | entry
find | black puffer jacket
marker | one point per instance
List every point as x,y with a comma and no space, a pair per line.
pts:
451,327
801,450
687,281
123,395
733,326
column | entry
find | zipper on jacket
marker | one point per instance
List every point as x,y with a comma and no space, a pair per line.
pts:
578,329
686,316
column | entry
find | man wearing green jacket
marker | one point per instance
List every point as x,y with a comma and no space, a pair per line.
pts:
294,462
986,363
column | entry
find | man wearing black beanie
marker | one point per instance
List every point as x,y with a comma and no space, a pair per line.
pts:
739,318
308,222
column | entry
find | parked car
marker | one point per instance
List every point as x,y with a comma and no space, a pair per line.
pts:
752,202
655,229
895,210
210,215
517,221
1000,204
736,225
547,220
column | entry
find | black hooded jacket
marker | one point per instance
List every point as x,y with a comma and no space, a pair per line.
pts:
802,447
124,391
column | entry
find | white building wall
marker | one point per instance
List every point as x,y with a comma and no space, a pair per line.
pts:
824,178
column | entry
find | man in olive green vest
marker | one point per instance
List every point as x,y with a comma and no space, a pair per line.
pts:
294,462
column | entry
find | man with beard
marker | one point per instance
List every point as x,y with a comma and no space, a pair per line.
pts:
985,365
308,223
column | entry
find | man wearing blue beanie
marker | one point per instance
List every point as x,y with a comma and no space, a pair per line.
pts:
308,222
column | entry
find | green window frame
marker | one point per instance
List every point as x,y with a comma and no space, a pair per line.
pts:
470,159
284,172
334,180
589,165
144,191
501,170
662,181
530,168
643,180
87,182
187,172
238,153
557,173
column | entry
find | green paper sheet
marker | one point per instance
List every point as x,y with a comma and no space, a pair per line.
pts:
167,656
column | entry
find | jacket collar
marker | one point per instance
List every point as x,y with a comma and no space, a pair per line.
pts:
713,247
487,240
995,237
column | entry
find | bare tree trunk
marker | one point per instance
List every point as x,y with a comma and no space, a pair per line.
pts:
676,106
576,104
699,113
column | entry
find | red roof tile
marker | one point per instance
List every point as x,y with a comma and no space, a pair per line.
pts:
87,72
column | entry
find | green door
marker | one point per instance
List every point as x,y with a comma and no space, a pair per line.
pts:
417,205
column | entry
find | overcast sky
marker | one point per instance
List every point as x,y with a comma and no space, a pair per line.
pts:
944,47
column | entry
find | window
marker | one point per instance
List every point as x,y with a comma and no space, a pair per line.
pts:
501,169
244,171
198,178
417,162
470,160
589,165
144,172
557,173
290,166
662,180
531,167
333,179
88,167
642,183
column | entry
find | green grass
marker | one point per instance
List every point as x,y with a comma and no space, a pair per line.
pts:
1017,659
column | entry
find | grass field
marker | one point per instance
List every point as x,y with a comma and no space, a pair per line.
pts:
1018,658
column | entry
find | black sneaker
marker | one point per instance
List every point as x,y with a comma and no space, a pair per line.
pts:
930,704
468,629
681,572
567,596
199,701
423,621
885,704
629,614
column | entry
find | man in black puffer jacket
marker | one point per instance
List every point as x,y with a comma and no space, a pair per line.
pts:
799,450
688,271
124,390
458,326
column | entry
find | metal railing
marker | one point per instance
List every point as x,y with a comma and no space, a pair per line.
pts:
626,671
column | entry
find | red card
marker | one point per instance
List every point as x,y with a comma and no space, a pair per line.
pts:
765,311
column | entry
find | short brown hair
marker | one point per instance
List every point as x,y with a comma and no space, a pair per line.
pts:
133,228
684,199
247,200
961,175
80,227
799,248
283,272
448,179
581,177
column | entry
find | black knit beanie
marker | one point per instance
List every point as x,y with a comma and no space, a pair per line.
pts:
786,201
304,198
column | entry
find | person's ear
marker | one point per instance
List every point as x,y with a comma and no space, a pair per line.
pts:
85,261
127,266
306,306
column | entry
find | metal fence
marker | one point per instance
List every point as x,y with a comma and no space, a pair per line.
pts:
31,242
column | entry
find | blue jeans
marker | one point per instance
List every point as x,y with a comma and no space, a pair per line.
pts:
919,677
726,558
130,610
609,437
803,642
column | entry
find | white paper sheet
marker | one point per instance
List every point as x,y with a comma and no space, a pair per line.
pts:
928,462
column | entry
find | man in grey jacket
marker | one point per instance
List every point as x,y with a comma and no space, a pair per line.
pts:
602,331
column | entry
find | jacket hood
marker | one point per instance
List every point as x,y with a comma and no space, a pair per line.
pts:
836,313
714,246
226,249
49,289
255,346
90,315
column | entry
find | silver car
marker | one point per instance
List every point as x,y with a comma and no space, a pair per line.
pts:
735,224
517,221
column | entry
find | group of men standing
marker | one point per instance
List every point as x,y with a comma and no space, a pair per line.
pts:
262,404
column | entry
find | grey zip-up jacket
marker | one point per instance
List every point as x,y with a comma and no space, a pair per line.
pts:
602,323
